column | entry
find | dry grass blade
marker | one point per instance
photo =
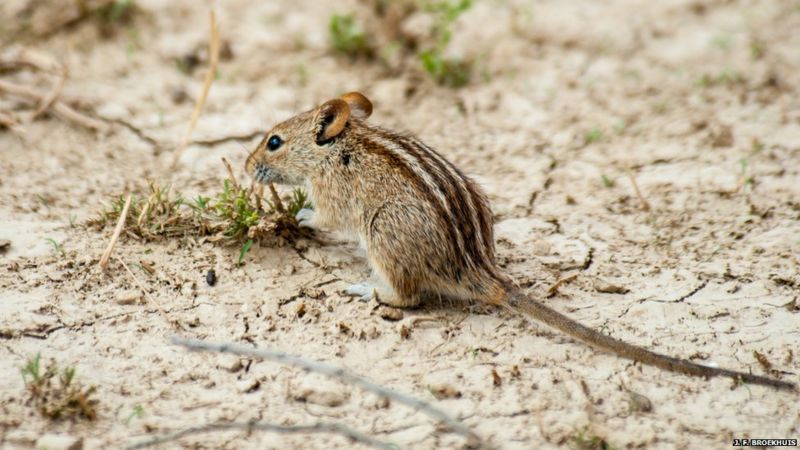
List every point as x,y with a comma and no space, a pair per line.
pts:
9,121
230,173
319,427
213,51
337,373
554,288
58,107
46,102
144,291
276,200
117,230
645,204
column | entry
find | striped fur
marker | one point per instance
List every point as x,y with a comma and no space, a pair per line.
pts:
426,227
372,182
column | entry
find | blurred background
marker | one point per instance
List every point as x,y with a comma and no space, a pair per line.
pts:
505,88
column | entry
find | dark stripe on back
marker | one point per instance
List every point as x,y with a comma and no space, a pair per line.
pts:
420,185
482,207
454,195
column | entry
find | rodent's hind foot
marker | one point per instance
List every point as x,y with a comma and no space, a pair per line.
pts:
305,217
382,294
365,291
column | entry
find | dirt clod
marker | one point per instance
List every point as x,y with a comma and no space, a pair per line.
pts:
130,297
390,313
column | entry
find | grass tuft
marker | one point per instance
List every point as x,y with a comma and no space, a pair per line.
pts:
347,36
235,215
447,71
584,441
55,393
57,247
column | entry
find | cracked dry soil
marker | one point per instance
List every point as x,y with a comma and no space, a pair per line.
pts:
578,96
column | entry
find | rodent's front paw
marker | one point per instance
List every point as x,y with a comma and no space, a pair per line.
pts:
305,218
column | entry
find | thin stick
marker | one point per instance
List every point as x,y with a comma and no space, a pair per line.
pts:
552,290
46,102
258,192
117,230
213,52
645,204
230,173
9,121
58,107
144,291
333,372
319,427
276,201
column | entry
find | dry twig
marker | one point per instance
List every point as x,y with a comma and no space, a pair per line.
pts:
319,427
230,173
11,122
58,107
144,291
334,372
213,51
117,230
554,288
46,102
276,200
645,204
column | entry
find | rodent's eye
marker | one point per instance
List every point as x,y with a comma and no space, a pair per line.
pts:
274,143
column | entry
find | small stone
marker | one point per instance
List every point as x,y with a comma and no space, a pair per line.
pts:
129,297
541,248
23,438
609,288
639,403
723,137
178,94
389,313
59,442
4,244
249,386
404,331
233,365
445,391
320,397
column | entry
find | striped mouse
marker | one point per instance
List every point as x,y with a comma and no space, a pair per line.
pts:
425,226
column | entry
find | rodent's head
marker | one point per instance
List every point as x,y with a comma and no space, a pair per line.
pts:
292,149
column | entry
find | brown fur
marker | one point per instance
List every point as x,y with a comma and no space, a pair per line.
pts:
426,227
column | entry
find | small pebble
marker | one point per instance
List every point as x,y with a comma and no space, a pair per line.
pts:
211,277
609,288
639,403
59,442
4,244
249,386
129,297
320,396
389,313
541,248
444,391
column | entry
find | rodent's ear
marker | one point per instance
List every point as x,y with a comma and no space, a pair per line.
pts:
332,117
359,105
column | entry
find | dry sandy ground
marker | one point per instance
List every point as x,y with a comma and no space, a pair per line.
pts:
710,272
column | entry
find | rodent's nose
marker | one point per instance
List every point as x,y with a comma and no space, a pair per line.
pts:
250,163
261,173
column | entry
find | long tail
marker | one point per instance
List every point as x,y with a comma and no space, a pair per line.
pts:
522,303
